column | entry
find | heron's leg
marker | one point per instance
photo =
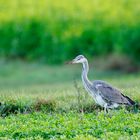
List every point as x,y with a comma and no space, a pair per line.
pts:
105,109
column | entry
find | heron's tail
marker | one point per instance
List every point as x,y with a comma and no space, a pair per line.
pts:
131,102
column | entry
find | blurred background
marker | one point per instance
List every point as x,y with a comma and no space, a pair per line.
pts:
35,34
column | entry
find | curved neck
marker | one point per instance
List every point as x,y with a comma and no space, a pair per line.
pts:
85,73
85,68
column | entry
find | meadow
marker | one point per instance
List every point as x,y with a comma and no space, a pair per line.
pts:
41,102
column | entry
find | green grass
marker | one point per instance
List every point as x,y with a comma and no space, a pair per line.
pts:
119,124
48,106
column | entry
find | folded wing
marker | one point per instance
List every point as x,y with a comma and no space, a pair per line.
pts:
111,94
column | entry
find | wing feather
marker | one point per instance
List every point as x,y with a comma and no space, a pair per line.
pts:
111,94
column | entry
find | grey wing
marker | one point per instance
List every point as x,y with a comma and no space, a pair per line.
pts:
111,94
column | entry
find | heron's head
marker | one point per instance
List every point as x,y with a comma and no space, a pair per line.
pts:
79,59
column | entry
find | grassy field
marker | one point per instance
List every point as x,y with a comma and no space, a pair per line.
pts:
41,102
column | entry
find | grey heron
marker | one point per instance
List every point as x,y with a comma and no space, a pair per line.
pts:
103,93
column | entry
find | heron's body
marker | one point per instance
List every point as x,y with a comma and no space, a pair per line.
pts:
103,93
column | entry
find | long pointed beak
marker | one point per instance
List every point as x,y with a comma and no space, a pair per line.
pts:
72,62
69,62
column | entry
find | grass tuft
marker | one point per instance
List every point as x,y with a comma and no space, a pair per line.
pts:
44,105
